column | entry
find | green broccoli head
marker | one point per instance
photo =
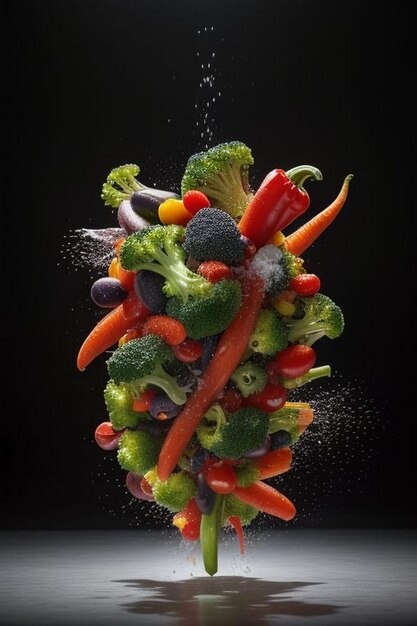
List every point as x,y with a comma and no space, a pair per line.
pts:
244,431
222,174
140,363
270,334
120,184
138,451
322,317
119,399
158,249
235,507
250,378
212,235
174,492
210,314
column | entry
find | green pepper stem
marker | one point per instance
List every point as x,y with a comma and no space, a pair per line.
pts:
209,535
298,175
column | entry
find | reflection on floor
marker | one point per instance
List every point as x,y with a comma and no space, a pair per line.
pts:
222,600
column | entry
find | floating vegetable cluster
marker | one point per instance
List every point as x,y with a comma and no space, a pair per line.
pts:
215,318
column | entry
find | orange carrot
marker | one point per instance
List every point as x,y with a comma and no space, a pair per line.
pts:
229,351
274,463
307,234
266,499
109,329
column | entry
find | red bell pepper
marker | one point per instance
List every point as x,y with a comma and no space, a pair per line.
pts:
279,200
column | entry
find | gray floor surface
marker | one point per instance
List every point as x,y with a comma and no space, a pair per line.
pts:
296,577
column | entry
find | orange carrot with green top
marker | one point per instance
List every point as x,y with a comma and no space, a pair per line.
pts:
307,234
226,358
267,500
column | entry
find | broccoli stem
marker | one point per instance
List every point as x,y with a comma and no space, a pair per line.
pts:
229,185
168,383
299,330
315,372
209,535
134,185
172,268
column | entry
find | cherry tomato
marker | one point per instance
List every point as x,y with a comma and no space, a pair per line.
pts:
272,398
305,284
295,361
133,308
188,350
195,200
221,477
231,400
214,271
106,437
144,401
188,521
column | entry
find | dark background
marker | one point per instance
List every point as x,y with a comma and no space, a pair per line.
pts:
97,84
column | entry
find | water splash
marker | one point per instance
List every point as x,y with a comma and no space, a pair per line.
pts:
209,93
90,248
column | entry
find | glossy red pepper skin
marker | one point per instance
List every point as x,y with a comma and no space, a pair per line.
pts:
277,203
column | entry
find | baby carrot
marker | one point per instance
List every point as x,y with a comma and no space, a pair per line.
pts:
109,329
307,234
266,499
230,348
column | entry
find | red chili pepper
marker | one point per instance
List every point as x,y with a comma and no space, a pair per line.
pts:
279,200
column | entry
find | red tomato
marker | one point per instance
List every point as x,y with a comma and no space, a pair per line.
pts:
295,361
231,400
106,437
305,284
221,477
188,350
272,398
195,200
213,271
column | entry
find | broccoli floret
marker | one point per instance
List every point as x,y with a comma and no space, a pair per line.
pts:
208,430
245,430
277,266
159,249
222,174
139,363
138,451
235,507
285,419
174,492
249,378
247,474
208,315
212,235
270,334
120,184
118,399
322,317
